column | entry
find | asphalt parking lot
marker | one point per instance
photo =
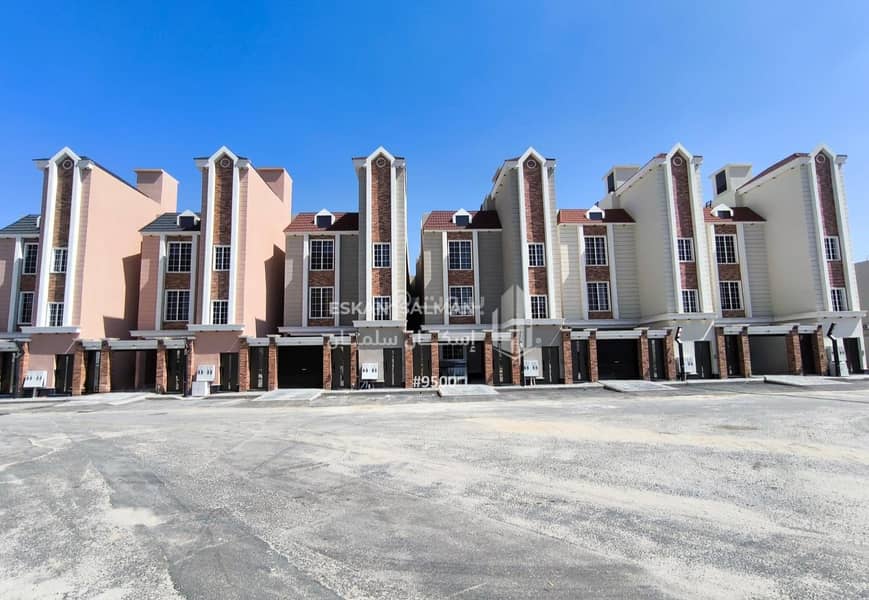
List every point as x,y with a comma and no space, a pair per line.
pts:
720,491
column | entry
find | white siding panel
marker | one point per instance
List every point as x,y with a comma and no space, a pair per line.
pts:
625,250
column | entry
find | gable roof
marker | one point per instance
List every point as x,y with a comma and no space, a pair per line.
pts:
442,220
741,214
307,223
26,225
168,223
577,215
774,167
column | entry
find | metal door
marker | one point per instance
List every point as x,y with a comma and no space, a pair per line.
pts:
341,368
550,364
258,362
657,359
175,361
229,371
703,359
732,353
393,367
63,374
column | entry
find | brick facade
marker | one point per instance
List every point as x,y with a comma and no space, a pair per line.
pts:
488,359
535,223
243,366
792,348
592,356
670,356
381,221
721,349
79,369
436,358
327,364
105,384
819,351
515,358
408,359
273,364
160,377
567,355
745,352
353,361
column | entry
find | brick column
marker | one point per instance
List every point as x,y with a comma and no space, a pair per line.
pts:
273,364
243,366
23,364
792,348
191,365
408,359
643,342
515,366
160,375
721,348
327,363
353,361
567,355
79,366
488,369
745,352
105,385
435,360
592,356
670,355
819,350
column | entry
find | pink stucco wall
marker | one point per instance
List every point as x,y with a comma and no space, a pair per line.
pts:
7,262
208,346
149,275
43,347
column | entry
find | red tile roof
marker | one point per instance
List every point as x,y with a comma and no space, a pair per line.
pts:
442,220
775,166
741,214
306,223
577,215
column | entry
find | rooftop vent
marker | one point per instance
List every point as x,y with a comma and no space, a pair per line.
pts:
324,219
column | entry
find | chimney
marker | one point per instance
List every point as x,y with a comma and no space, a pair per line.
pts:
159,186
279,181
618,175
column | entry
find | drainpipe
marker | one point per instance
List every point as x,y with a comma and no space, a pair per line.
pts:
838,371
678,339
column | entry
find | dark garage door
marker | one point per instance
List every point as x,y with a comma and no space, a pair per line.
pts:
768,354
300,367
617,359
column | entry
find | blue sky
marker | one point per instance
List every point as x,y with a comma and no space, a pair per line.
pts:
454,87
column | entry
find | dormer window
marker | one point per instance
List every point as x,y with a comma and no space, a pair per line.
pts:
462,218
720,182
722,211
324,219
595,213
187,220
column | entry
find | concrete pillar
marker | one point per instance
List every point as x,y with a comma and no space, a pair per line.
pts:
408,359
792,348
515,359
435,360
645,369
105,385
670,355
592,356
327,363
567,355
273,364
79,368
243,366
488,356
160,374
721,349
819,350
745,352
354,361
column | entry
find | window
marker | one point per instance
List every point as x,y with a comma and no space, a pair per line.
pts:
381,255
30,251
538,307
219,312
731,299
452,352
177,305
58,263
611,182
382,308
462,301
595,215
690,302
598,296
720,182
323,255
725,249
595,250
837,297
686,249
179,257
221,258
831,248
463,220
25,308
460,255
535,255
320,306
55,314
324,221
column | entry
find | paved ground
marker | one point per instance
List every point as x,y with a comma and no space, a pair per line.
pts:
718,491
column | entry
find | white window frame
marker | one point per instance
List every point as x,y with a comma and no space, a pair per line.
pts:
55,314
838,299
325,256
723,250
223,305
685,246
593,293
378,316
20,319
596,251
690,300
227,256
58,252
169,267
181,306
450,352
388,255
832,248
24,269
462,308
536,302
317,309
726,297
536,254
460,255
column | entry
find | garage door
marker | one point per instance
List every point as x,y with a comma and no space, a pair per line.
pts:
617,359
768,354
300,367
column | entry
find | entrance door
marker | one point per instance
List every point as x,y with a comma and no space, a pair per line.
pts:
617,359
550,364
422,363
63,374
258,361
852,355
732,345
7,370
580,360
657,362
807,354
393,367
92,372
229,371
502,367
175,361
341,368
703,359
